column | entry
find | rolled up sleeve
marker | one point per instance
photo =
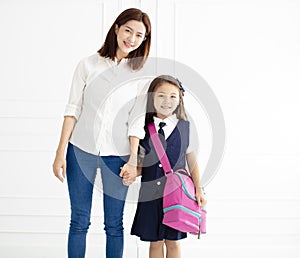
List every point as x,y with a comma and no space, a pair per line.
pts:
74,105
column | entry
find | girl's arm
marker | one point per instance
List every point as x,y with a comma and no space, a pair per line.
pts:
141,156
59,164
139,170
194,170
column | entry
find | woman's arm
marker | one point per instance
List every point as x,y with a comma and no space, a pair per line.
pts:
129,170
72,113
136,132
59,164
194,170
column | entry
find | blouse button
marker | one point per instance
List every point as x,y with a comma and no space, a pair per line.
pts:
160,165
158,183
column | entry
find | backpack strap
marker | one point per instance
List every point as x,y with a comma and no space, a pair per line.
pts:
162,155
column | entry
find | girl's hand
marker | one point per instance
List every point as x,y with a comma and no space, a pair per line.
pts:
128,173
200,197
59,167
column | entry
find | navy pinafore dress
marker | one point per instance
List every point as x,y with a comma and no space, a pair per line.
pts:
147,223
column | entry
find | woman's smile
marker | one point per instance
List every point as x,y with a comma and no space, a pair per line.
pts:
128,44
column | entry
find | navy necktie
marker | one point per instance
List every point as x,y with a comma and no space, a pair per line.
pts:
160,130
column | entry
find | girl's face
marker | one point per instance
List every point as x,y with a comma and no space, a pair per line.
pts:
129,37
166,100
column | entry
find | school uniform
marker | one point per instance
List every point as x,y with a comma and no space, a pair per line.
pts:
147,222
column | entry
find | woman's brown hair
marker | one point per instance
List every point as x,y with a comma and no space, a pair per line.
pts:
138,57
158,81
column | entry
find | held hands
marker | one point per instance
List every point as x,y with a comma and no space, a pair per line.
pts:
128,173
59,167
200,197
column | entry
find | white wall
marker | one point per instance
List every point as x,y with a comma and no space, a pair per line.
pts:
248,52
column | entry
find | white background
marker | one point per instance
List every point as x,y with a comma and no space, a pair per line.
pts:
249,53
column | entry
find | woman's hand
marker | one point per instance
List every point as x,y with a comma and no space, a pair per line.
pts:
129,170
200,197
59,164
128,173
59,167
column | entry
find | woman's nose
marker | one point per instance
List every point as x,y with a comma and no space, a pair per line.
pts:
131,38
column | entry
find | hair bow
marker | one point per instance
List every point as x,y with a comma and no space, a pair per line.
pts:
180,86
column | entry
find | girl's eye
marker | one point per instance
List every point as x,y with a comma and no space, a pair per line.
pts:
127,30
140,36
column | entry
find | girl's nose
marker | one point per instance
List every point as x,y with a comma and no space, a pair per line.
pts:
167,100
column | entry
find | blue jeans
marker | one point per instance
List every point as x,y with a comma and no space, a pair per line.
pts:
81,173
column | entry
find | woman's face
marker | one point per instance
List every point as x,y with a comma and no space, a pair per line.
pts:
166,99
129,37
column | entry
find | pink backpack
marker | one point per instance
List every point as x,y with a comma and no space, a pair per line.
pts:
181,210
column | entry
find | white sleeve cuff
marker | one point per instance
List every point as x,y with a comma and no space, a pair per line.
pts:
136,128
72,110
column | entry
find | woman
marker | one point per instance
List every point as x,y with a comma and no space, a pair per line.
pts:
88,132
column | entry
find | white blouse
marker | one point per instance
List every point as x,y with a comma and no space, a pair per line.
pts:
108,101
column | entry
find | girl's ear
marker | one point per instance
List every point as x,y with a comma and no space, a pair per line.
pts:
144,38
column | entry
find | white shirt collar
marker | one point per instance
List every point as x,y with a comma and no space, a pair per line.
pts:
123,60
114,61
170,120
171,123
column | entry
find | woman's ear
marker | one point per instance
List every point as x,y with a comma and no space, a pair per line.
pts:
116,29
144,38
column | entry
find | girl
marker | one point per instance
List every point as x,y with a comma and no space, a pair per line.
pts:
88,132
164,107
